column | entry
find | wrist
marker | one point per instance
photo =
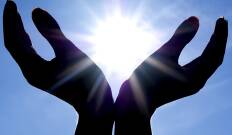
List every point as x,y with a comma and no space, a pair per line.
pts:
94,120
88,125
130,121
132,124
130,118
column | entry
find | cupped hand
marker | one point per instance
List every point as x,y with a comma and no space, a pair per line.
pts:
160,79
71,75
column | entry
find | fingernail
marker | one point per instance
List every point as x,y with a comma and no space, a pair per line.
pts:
194,21
38,15
221,19
38,11
11,5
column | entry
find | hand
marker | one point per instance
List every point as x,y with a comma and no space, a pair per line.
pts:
160,79
70,76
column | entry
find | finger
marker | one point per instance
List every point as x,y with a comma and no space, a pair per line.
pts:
215,49
212,57
16,39
182,36
50,29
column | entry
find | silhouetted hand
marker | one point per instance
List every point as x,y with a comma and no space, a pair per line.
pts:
160,79
70,76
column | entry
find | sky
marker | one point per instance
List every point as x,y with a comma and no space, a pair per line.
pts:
25,110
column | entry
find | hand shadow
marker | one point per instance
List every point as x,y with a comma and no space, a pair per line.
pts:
71,75
160,79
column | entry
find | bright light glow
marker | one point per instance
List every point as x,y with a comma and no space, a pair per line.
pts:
121,43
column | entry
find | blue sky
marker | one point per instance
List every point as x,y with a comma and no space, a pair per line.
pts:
25,110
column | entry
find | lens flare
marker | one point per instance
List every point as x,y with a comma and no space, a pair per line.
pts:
121,43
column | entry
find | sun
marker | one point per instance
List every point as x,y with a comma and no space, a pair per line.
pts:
121,43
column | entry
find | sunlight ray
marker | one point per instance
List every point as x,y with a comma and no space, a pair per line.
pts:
100,87
72,71
102,91
121,43
96,86
138,94
166,69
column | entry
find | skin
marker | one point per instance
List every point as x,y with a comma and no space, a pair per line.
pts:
71,76
160,79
